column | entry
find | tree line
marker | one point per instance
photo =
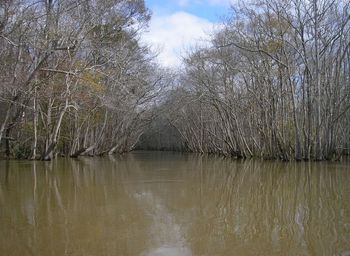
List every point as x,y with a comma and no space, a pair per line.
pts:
75,78
274,82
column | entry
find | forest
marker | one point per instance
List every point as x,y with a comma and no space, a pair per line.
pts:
273,82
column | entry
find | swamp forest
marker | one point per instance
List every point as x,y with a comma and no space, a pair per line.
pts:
243,149
273,82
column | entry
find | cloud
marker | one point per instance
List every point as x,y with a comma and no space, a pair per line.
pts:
173,34
206,2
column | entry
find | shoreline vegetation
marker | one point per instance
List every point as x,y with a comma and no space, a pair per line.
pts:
273,82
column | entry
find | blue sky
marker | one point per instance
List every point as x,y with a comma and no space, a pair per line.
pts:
179,25
212,10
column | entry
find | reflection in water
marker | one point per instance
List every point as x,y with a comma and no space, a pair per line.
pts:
167,236
171,204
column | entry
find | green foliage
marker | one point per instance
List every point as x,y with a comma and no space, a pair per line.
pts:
92,81
21,151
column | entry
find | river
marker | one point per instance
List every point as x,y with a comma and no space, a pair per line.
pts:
174,204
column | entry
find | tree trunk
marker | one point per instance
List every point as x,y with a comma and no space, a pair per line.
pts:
35,125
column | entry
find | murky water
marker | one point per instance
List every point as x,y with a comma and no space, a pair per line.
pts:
154,204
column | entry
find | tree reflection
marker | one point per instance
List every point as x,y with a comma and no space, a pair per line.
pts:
270,208
180,204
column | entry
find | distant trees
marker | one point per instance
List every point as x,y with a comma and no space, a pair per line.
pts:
74,77
274,82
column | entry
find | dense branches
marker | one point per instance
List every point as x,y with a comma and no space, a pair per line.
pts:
273,83
75,79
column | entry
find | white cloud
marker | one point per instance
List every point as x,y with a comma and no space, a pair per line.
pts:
206,2
173,34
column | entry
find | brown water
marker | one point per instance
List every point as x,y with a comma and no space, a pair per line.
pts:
153,204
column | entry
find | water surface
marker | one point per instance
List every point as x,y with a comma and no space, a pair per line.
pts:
172,204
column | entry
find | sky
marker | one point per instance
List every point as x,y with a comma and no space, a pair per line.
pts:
179,25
